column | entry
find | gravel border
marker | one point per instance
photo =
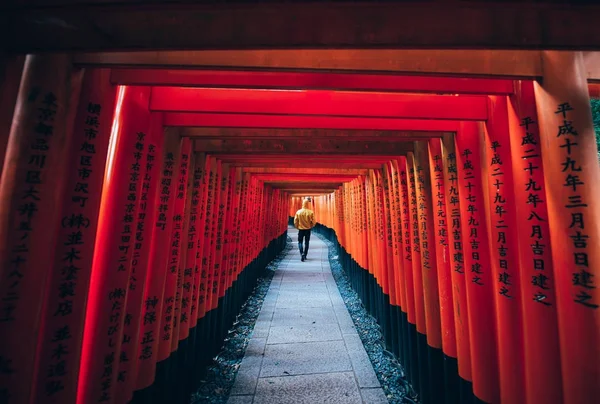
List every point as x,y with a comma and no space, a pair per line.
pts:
217,384
389,371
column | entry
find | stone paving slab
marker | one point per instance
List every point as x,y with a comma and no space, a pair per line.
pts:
304,347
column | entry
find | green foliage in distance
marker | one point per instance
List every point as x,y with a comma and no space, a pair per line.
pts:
596,118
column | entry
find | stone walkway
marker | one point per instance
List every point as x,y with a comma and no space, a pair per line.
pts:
305,348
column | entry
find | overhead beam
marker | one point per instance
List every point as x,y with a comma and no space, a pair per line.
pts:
302,146
213,120
305,170
319,102
164,25
310,81
524,64
271,133
298,164
302,178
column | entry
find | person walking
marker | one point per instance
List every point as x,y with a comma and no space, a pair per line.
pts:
304,221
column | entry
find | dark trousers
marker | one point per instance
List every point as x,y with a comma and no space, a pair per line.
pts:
303,235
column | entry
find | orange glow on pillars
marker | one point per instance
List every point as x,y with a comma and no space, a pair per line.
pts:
442,242
457,252
571,173
538,278
479,277
503,245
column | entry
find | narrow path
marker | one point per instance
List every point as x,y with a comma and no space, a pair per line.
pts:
305,348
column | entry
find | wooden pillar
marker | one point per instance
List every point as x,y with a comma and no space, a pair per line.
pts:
144,222
543,381
105,313
501,215
571,173
63,316
479,278
151,321
31,192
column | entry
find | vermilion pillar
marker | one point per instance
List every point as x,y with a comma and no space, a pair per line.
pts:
442,240
428,249
115,241
479,277
31,192
457,261
144,229
503,250
63,315
538,280
571,173
179,178
407,239
416,246
191,271
151,321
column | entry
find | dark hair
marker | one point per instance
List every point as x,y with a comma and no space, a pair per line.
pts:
308,199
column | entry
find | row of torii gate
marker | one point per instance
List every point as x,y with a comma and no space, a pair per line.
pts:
135,201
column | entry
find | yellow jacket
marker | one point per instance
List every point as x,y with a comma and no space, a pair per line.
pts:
305,218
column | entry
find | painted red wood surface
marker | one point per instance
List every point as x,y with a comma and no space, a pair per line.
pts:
105,315
63,315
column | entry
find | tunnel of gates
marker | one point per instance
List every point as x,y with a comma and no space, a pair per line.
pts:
136,216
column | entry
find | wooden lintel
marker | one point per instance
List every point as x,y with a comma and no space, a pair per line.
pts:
273,133
302,146
163,24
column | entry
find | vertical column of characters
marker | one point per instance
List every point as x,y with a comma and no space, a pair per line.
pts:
397,241
457,261
158,257
391,251
237,223
214,253
185,277
540,327
381,232
208,234
220,265
417,279
353,215
139,263
429,269
441,237
168,316
184,190
501,213
191,282
359,223
480,298
113,251
367,209
349,217
201,260
571,172
59,343
407,254
246,190
229,233
217,228
31,194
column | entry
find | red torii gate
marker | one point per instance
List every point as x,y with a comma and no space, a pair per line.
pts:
521,156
